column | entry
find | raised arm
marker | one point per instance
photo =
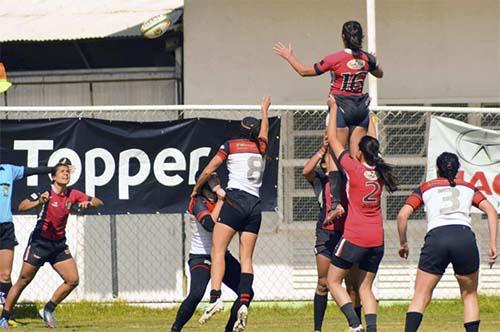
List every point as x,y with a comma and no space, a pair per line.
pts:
403,215
373,126
310,166
287,54
36,170
212,167
490,211
333,141
264,124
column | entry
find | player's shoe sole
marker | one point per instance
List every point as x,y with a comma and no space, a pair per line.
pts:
241,320
357,329
211,310
48,318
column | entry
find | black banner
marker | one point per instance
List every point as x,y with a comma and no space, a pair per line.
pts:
133,167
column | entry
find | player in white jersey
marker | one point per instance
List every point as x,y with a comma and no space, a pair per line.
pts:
245,158
205,208
449,239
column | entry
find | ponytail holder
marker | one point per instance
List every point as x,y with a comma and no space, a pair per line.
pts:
379,155
449,166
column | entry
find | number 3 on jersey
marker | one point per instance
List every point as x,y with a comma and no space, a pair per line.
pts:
451,200
255,169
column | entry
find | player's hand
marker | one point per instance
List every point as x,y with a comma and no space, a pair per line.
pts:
264,105
404,251
84,205
221,193
331,102
43,198
492,255
283,51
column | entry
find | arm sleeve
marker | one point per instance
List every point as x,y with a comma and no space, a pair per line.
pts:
372,61
477,198
223,151
199,210
17,172
415,199
36,170
34,196
80,197
324,65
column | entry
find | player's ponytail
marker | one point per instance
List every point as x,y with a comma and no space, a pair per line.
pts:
448,165
370,147
352,34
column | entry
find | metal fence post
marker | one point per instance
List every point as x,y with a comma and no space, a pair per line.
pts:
114,256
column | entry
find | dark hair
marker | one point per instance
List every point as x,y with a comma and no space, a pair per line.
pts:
250,128
62,162
448,165
352,34
370,147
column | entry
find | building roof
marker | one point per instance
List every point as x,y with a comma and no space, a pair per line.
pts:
42,20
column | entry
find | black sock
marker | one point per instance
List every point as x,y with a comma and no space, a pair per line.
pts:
245,288
358,311
335,178
350,314
413,320
215,295
320,303
371,322
6,314
472,326
4,290
50,306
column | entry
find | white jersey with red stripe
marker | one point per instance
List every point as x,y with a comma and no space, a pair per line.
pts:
446,205
245,164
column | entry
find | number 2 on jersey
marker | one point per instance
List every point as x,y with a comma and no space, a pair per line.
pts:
255,169
371,196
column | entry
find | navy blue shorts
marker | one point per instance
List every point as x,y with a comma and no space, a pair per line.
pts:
241,211
347,254
7,236
455,244
325,242
353,111
40,251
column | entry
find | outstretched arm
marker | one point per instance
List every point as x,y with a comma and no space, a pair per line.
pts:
212,166
490,211
333,141
310,166
36,170
264,124
29,204
287,54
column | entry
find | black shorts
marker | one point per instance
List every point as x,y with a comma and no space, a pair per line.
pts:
241,211
40,250
232,271
347,254
7,236
353,111
455,244
325,242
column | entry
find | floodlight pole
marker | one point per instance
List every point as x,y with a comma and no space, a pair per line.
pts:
372,48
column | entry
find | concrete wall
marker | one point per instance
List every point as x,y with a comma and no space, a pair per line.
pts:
431,51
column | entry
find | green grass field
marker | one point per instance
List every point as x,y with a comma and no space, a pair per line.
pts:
296,317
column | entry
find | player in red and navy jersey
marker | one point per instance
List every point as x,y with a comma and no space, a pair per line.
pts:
449,239
328,232
244,158
363,239
205,207
348,69
48,241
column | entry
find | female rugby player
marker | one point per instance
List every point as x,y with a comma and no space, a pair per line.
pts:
449,239
205,207
363,239
241,212
48,242
328,233
9,174
348,69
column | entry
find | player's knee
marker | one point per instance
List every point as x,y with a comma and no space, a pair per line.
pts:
5,276
72,282
195,296
322,286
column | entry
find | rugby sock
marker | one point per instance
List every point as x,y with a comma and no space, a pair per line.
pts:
413,320
50,306
320,303
350,314
472,326
335,178
215,295
4,291
245,288
358,311
6,314
371,322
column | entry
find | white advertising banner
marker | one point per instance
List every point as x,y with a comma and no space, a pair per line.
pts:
477,148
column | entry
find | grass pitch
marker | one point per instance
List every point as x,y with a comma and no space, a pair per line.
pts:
283,317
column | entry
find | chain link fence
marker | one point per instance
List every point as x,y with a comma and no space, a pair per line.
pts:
142,258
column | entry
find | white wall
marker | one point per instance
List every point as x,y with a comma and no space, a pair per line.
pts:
431,51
